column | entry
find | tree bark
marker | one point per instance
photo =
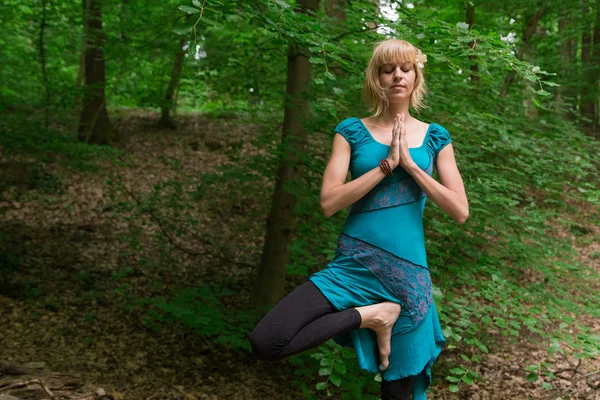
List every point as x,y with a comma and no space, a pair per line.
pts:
281,223
566,94
336,9
166,119
586,108
95,126
80,75
596,72
590,57
43,63
474,68
527,33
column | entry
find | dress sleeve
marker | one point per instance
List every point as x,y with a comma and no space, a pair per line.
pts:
440,137
347,128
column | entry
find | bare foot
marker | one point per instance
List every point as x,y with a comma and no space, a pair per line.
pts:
381,317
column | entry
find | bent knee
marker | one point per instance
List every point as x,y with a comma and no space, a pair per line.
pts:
263,348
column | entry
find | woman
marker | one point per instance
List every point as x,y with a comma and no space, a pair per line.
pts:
375,295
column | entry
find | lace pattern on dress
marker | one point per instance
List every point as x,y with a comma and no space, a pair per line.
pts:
410,282
394,194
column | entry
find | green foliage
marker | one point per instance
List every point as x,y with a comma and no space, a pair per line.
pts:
202,310
27,135
338,374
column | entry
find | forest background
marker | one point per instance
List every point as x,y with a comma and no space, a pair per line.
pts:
145,145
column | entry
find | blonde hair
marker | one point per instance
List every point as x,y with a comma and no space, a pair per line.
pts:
385,52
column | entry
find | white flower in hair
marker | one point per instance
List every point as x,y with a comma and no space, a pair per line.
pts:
421,59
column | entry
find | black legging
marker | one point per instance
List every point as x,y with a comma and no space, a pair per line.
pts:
305,319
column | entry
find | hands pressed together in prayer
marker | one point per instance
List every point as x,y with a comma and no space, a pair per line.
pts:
399,154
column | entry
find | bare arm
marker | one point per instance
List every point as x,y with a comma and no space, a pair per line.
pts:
449,195
337,195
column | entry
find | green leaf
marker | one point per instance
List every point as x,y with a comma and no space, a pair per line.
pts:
330,75
197,3
457,371
321,385
453,388
452,379
326,362
482,347
316,60
467,379
377,377
532,377
547,385
340,367
336,380
324,371
531,368
182,30
189,10
282,3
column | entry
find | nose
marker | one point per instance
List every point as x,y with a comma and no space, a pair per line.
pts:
398,73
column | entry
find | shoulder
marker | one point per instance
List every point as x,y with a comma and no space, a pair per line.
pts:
348,124
350,129
439,137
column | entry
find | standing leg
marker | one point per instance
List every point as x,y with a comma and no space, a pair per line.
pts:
302,320
400,389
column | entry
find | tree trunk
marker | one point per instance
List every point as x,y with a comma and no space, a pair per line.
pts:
527,33
566,95
586,108
281,223
595,84
168,102
95,126
590,57
80,75
336,9
43,62
474,68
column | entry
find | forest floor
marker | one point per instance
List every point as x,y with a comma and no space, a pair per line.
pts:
68,306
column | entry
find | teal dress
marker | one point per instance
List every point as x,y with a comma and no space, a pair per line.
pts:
381,256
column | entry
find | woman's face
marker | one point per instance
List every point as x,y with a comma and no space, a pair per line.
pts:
398,80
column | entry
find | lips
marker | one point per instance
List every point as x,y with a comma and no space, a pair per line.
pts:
398,86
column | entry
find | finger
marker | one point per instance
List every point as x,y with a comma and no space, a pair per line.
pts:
383,342
403,127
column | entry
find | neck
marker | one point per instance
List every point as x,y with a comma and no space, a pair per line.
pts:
388,116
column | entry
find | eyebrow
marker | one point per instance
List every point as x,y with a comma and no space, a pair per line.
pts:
391,64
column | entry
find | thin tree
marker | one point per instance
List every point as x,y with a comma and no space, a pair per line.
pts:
281,222
529,29
590,56
168,103
95,126
474,67
43,62
566,93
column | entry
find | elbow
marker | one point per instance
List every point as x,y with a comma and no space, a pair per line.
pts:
327,212
462,217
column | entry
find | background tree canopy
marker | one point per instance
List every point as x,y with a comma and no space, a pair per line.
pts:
160,171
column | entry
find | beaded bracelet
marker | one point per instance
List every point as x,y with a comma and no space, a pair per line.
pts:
385,167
